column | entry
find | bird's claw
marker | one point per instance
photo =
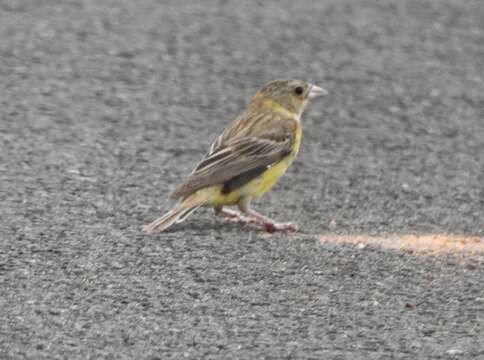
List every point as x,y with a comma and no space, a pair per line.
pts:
272,227
267,224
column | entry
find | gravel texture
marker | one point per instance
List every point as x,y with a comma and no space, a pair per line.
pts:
106,105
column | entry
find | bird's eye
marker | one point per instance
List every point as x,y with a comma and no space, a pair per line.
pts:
299,90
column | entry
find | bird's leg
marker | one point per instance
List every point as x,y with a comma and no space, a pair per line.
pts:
229,215
269,224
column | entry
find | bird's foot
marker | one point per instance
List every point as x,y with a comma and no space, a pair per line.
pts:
254,218
268,224
272,227
236,220
231,216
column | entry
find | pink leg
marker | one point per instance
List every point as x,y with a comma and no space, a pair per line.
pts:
231,215
269,224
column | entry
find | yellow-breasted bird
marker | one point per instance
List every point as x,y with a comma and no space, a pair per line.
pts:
248,158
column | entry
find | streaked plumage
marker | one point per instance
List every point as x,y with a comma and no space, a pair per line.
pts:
248,158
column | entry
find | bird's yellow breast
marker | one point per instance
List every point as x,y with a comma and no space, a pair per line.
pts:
259,185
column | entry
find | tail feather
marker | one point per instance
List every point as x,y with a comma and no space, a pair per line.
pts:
178,214
183,216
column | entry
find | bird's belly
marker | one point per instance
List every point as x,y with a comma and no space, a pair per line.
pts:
267,180
253,188
215,196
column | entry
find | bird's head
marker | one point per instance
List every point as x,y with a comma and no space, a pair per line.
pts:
290,95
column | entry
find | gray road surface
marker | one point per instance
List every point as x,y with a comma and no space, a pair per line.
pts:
105,105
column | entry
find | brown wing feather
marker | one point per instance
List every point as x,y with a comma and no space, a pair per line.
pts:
251,141
243,155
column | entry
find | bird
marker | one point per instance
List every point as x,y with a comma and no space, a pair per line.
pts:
246,159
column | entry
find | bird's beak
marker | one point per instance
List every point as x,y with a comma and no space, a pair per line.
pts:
316,91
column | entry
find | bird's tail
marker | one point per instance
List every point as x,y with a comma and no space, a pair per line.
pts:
176,215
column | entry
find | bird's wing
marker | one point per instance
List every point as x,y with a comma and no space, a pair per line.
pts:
237,157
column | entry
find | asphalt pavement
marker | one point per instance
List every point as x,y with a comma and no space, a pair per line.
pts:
106,105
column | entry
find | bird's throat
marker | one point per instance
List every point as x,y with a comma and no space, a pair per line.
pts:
277,107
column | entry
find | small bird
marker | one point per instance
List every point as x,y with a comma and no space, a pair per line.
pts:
247,159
